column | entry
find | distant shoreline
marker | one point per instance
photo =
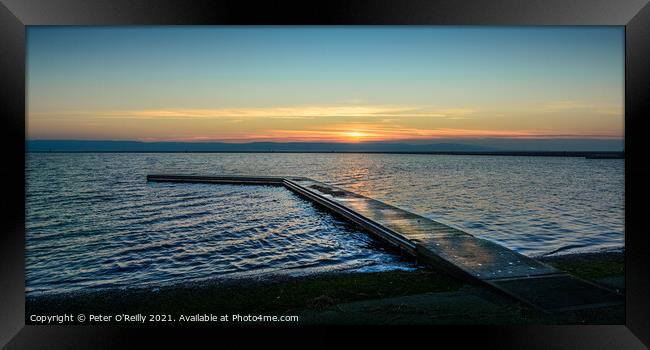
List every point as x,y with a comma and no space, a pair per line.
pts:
582,154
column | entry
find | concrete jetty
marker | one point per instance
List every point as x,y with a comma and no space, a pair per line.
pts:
462,254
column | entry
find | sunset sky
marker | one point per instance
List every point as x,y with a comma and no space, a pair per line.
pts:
341,84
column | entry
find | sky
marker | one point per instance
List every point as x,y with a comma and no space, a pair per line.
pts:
330,84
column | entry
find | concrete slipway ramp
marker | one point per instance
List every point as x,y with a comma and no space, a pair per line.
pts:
474,259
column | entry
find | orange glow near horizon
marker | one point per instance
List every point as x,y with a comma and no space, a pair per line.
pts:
332,123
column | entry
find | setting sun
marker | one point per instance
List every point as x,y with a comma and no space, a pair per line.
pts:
355,135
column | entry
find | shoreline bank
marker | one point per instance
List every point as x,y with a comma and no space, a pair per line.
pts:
351,297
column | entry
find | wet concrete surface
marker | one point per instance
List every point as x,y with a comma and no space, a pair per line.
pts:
475,259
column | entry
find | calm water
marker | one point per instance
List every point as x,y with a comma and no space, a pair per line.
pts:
94,222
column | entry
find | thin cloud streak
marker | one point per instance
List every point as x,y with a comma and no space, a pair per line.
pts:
295,112
358,133
576,105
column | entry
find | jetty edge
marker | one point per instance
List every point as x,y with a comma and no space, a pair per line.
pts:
463,255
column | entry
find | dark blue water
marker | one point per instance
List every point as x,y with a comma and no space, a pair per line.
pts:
94,222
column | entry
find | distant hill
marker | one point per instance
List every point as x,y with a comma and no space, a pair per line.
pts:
467,146
137,146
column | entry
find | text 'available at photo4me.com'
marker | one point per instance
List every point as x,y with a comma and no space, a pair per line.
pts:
159,318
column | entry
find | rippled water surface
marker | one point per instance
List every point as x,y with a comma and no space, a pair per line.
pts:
94,222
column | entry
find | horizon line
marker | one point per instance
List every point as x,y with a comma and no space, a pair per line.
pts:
237,141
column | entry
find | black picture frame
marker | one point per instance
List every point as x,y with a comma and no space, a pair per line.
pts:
634,15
